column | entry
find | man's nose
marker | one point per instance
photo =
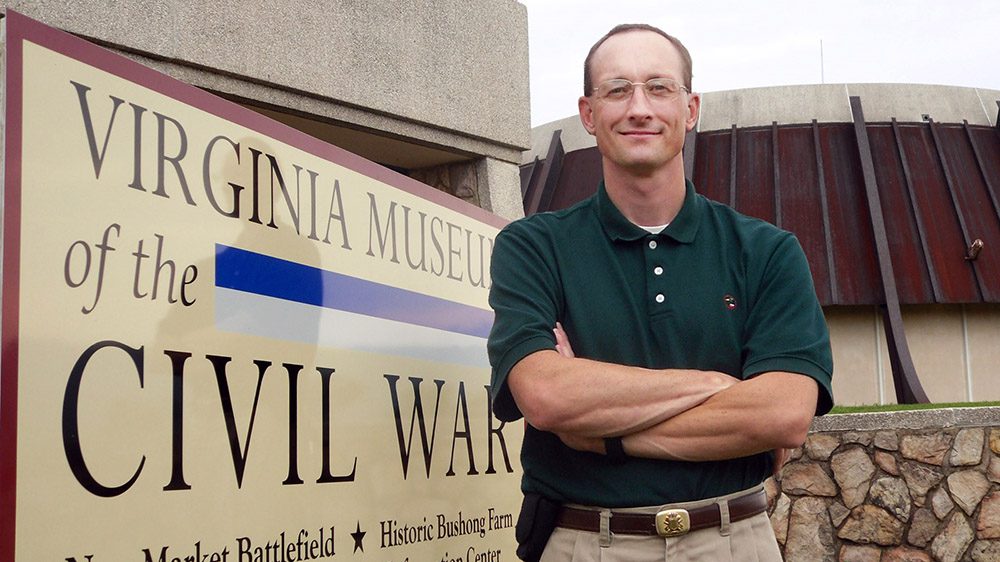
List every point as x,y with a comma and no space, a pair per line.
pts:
639,105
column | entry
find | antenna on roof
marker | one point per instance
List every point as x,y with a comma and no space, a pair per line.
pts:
822,73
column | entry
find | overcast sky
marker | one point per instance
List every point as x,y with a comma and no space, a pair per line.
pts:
747,44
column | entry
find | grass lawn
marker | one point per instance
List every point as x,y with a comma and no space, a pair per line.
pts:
900,407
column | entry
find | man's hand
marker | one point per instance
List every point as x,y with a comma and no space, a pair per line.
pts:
740,445
743,420
581,443
781,456
573,441
562,342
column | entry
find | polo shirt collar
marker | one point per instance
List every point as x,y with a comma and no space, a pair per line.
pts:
683,228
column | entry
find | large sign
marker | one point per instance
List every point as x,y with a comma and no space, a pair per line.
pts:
226,341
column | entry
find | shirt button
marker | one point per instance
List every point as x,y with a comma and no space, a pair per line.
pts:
660,298
658,270
652,244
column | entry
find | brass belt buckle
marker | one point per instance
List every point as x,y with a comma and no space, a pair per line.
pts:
673,522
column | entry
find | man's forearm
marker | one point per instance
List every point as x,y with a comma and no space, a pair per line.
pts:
770,411
593,399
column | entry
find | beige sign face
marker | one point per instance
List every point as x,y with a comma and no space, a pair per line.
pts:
226,341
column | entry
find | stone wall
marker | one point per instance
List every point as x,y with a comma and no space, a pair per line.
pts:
459,179
893,487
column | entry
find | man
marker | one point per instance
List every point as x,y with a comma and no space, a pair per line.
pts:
661,347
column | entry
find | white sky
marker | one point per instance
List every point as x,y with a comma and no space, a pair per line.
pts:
747,44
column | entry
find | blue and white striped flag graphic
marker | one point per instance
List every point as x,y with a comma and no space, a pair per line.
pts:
264,296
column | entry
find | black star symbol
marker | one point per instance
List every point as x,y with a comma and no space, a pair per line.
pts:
358,537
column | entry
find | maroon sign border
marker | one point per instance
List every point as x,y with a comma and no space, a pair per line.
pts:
21,28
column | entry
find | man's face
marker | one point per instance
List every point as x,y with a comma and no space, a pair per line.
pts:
640,135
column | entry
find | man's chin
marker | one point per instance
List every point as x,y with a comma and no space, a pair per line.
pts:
643,168
651,159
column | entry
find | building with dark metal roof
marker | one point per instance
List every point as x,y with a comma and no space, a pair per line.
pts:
894,193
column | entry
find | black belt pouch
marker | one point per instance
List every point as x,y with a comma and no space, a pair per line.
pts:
534,525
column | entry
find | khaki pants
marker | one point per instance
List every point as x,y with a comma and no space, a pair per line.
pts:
749,540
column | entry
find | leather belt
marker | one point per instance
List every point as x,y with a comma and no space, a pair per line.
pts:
666,523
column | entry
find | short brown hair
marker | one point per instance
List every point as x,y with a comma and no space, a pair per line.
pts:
588,86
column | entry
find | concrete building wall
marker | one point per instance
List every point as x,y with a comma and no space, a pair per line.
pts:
754,107
937,345
983,325
954,349
857,341
418,85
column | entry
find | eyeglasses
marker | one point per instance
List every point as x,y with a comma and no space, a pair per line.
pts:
619,90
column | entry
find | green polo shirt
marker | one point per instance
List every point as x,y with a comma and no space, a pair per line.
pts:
715,290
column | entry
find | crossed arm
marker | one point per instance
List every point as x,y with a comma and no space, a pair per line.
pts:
669,414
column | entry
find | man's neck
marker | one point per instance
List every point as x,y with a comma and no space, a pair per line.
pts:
647,200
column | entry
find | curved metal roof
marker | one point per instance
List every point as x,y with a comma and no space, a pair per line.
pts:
938,183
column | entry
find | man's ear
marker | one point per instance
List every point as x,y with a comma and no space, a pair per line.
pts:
694,110
586,114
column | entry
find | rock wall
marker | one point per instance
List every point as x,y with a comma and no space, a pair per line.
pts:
459,179
892,487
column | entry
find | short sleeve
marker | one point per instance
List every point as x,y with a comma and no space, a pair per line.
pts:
525,299
786,330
